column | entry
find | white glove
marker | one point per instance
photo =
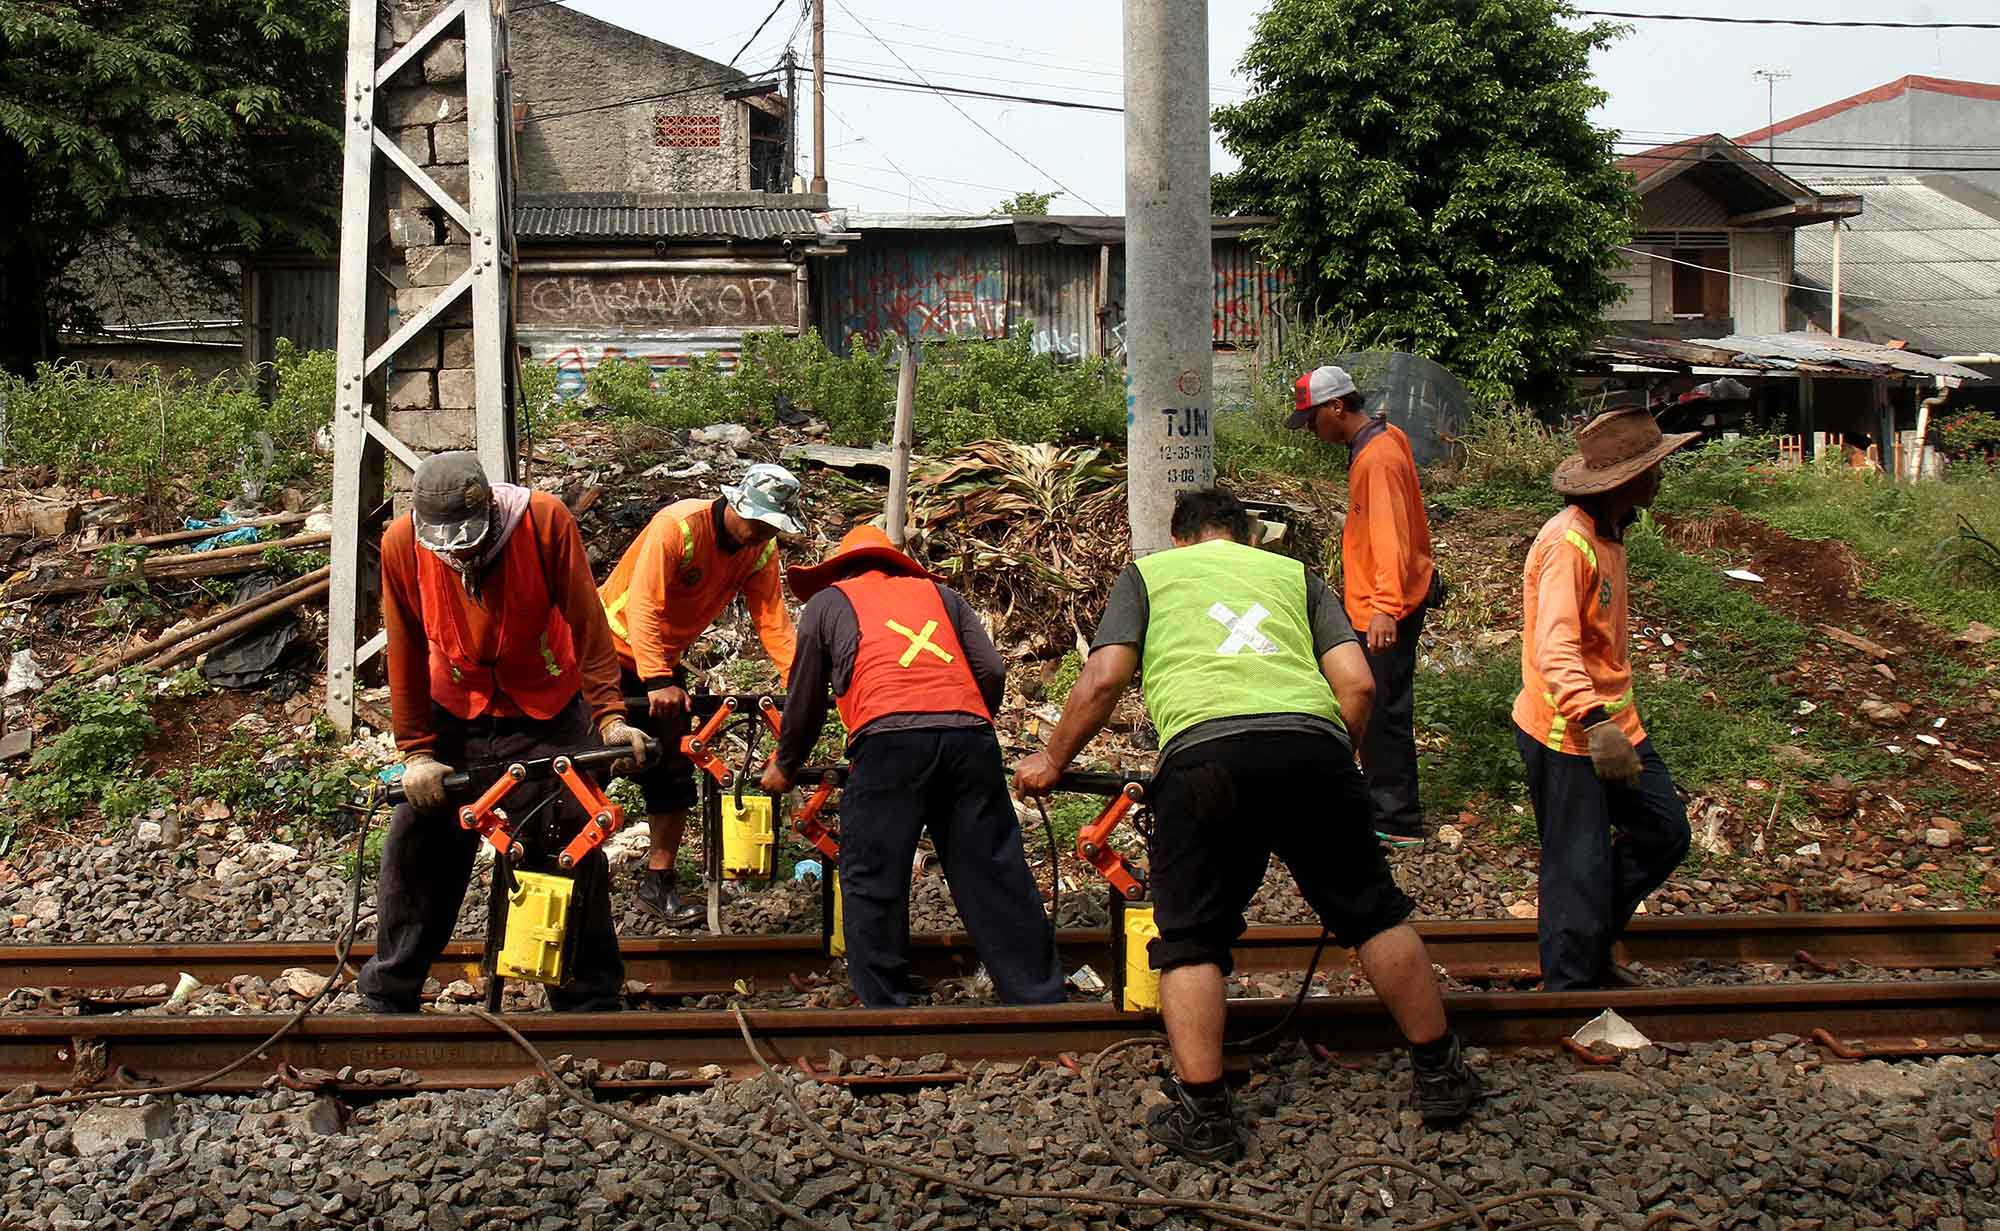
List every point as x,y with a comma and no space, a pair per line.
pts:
423,781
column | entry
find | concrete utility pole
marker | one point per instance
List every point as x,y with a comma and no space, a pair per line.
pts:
819,96
1169,270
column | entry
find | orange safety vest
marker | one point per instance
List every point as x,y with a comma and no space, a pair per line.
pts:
534,660
909,660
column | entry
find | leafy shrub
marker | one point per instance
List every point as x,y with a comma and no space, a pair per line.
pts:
94,759
160,438
1971,433
967,390
975,390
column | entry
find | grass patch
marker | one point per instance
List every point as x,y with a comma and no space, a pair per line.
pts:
1465,728
1908,534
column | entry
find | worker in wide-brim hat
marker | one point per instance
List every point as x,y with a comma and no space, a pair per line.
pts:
497,652
917,681
1612,828
692,559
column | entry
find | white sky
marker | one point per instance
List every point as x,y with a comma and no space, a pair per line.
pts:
898,151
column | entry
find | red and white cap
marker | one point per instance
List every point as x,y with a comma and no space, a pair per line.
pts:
1316,388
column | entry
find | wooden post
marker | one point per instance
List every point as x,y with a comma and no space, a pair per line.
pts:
1806,420
901,442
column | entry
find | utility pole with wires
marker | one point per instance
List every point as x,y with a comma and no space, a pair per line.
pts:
1170,279
1771,77
819,94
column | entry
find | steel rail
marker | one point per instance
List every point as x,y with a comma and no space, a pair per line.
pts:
457,1051
1498,950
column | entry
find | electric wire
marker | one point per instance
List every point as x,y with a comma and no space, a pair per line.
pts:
1819,22
912,180
945,91
753,35
953,104
340,969
1795,286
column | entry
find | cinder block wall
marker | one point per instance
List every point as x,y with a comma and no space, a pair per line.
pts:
564,60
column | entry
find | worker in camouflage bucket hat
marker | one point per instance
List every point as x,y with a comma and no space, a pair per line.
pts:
674,580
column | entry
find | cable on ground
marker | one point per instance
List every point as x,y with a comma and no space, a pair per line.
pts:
571,1094
1055,865
290,1024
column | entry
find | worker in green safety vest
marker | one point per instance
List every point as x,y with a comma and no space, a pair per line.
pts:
1260,695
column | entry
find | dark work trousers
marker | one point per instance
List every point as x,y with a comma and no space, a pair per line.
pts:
1604,848
427,864
1391,741
950,781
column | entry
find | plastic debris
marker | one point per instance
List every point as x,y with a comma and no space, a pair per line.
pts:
1810,848
182,990
1609,1028
24,674
807,868
1741,574
228,538
1086,980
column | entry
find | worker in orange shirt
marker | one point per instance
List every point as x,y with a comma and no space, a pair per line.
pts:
497,653
1612,827
673,581
1387,582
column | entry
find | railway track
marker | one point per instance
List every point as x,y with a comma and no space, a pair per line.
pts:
457,1051
669,1050
1491,950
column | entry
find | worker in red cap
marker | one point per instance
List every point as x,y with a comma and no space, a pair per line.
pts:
1387,581
498,652
917,682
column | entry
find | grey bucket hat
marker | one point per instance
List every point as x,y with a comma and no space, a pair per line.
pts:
767,494
451,502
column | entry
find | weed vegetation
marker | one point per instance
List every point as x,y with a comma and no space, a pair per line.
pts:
165,440
966,390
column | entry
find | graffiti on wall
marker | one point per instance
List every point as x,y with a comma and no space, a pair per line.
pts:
653,300
946,294
574,357
1249,295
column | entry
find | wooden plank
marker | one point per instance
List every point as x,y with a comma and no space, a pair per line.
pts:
189,536
839,457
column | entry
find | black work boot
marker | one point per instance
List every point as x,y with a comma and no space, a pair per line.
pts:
659,893
1445,1091
1203,1129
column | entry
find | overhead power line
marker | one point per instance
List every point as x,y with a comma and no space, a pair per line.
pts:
643,99
928,87
1794,286
753,34
953,104
1825,23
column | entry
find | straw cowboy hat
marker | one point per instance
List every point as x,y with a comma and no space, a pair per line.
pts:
861,547
1620,444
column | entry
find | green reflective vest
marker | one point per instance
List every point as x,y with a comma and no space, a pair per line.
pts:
1227,635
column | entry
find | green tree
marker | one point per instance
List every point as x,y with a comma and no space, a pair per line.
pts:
1035,203
158,134
1436,178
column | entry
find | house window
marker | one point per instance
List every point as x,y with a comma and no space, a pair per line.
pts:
687,131
1701,282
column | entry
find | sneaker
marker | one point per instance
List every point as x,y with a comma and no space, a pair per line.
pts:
1203,1129
1446,1092
659,893
376,1004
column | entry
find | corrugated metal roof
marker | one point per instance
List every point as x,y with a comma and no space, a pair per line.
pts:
1919,260
1817,354
644,222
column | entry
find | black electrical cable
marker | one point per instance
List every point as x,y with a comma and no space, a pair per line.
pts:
1263,1037
305,1010
1055,865
1823,23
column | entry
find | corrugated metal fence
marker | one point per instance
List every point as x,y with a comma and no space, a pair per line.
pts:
945,284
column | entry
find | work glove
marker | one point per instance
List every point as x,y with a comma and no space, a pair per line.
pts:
423,781
1612,754
617,731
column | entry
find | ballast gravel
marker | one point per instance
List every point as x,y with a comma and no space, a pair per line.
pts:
229,887
1763,1135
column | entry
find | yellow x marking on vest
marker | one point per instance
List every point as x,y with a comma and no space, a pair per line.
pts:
918,642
